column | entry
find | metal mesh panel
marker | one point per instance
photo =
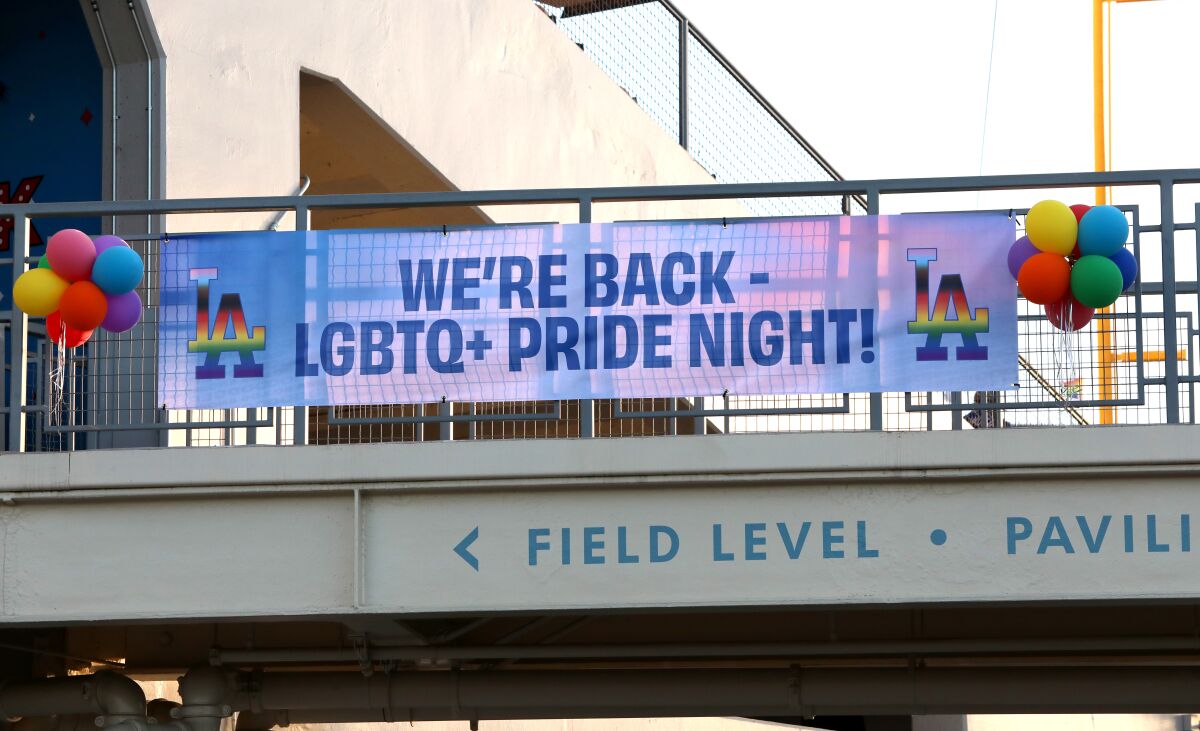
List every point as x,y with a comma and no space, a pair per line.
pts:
638,47
728,130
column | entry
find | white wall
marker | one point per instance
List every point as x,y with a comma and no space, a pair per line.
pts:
489,92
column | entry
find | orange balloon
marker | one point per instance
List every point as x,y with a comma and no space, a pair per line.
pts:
83,306
1044,278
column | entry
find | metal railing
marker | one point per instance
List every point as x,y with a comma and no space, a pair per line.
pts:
1149,367
683,82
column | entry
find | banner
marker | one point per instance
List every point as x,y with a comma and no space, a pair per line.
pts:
521,313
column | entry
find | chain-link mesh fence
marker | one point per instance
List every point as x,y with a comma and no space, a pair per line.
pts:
699,98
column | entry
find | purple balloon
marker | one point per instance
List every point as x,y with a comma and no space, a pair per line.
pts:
107,242
1019,253
124,311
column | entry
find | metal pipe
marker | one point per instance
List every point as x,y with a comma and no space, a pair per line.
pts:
68,722
205,691
439,418
300,434
587,407
899,648
802,691
612,194
102,693
1104,335
158,426
149,111
305,181
18,335
765,411
114,117
1166,197
683,81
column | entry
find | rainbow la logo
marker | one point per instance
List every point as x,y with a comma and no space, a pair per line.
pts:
216,340
934,324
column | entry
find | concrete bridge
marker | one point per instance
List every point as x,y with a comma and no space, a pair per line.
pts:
760,575
880,556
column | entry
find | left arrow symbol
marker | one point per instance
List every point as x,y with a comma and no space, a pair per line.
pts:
462,548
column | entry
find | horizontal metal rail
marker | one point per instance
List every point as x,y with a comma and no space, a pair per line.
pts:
891,186
843,408
890,648
554,415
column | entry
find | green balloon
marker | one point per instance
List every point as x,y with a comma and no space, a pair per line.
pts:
1096,281
43,263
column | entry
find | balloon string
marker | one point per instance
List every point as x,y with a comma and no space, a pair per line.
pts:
1066,365
58,377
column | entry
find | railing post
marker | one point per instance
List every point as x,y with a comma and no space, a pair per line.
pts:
300,413
875,403
587,407
19,338
1166,207
445,428
683,82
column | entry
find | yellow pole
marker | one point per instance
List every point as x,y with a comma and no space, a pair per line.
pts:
1104,338
1098,93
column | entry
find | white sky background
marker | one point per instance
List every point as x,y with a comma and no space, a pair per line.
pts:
896,88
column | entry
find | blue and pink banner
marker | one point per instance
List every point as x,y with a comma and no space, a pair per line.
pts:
520,313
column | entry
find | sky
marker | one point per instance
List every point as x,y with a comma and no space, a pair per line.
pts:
898,88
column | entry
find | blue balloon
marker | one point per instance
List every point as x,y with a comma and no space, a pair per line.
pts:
1128,266
1102,231
117,270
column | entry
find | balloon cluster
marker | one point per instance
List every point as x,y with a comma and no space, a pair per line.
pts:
80,284
1072,260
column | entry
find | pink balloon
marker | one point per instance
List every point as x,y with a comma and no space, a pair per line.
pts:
103,243
71,254
124,311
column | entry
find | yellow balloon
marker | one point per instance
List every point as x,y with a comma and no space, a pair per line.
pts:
1052,227
38,291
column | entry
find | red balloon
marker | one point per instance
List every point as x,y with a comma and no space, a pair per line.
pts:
1068,314
83,306
1044,278
75,338
1078,209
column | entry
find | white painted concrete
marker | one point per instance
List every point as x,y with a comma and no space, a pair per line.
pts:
489,92
380,524
1011,454
1090,722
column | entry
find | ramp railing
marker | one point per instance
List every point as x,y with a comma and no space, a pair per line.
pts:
684,83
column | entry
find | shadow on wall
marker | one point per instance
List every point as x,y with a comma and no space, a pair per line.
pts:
345,148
